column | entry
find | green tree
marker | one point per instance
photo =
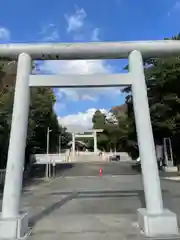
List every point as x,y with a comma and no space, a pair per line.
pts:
162,77
99,122
121,126
41,116
114,126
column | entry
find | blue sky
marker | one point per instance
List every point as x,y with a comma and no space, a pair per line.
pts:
79,21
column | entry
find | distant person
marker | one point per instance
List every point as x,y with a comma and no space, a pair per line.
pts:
100,153
159,156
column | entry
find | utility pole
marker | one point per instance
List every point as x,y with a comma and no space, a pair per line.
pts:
59,144
47,154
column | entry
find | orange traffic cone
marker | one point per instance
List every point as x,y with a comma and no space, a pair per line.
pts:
100,172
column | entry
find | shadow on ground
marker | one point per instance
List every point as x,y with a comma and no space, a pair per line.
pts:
34,219
72,195
38,174
84,195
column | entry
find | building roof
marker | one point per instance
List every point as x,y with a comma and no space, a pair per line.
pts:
79,142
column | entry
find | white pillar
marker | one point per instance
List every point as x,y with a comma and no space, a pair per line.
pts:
154,220
95,142
150,173
47,155
17,144
73,144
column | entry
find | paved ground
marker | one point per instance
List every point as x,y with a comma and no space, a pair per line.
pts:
79,204
88,169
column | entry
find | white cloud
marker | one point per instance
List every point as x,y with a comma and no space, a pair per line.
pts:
77,24
76,20
175,7
79,27
95,34
59,106
77,67
4,33
50,33
81,67
81,121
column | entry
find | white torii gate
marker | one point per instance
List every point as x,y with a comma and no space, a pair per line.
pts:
83,135
154,219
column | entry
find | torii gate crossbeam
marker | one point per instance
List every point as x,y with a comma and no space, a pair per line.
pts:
97,50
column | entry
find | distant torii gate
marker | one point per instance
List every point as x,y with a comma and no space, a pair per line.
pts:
83,135
154,219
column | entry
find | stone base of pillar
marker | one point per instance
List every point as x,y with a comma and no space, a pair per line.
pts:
14,228
160,225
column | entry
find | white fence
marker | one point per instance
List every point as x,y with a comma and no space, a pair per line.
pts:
52,158
78,157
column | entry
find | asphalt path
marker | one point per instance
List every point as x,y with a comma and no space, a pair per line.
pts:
87,169
78,203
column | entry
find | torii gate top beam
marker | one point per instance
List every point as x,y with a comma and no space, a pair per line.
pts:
88,131
97,50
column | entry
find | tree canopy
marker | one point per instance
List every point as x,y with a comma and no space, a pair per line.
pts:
41,116
114,129
162,78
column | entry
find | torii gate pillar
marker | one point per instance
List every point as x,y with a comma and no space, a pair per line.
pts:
95,131
73,144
